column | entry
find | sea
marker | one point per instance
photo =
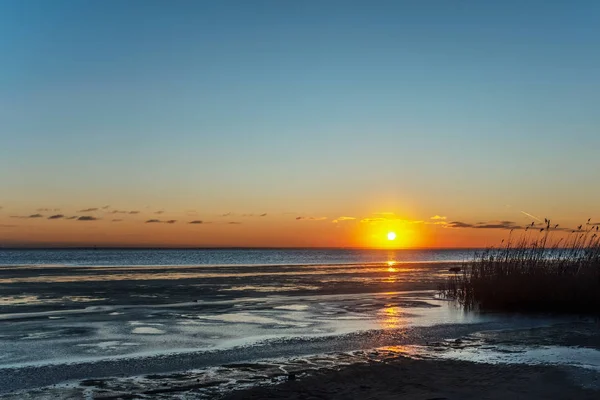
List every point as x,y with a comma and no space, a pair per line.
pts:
226,256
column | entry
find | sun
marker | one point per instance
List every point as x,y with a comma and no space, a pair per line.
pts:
391,235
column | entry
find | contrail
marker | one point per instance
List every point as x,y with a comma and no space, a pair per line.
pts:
532,216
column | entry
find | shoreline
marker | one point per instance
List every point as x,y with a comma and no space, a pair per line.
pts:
407,378
387,373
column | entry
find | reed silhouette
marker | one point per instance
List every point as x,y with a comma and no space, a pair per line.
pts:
534,273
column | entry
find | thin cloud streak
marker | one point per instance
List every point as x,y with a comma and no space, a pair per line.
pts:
340,219
87,218
27,216
532,216
484,225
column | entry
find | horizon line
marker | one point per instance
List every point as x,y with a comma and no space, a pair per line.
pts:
108,247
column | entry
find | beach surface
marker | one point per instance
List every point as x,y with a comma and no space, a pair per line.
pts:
211,331
404,378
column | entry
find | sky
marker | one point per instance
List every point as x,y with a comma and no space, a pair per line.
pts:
296,124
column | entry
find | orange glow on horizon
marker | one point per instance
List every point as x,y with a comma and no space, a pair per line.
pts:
392,234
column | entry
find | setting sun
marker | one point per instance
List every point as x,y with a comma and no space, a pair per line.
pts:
391,235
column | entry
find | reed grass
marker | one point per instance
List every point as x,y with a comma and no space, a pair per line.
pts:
534,273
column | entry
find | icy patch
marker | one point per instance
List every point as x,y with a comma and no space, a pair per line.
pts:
292,307
147,330
247,318
270,288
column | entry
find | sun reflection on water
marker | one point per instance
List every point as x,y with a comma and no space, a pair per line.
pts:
391,317
391,264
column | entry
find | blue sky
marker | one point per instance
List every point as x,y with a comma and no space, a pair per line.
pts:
320,107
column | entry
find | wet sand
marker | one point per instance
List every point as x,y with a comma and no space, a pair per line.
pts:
404,378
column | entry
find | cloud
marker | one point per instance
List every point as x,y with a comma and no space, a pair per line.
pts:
458,224
263,215
73,217
133,212
311,218
106,207
89,209
500,225
397,220
234,223
438,218
197,222
153,221
340,219
388,217
46,209
171,221
117,220
373,220
484,225
227,214
87,218
27,216
124,212
56,216
159,212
